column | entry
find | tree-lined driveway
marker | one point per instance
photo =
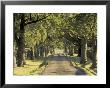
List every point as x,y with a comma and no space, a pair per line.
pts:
60,65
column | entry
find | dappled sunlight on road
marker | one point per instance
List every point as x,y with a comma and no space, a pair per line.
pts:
60,65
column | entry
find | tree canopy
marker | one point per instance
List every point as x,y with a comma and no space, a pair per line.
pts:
49,31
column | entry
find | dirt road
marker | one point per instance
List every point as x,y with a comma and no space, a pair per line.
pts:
60,65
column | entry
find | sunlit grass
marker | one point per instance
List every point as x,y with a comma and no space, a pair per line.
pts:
86,68
31,68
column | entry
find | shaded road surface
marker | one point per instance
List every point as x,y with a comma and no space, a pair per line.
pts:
60,65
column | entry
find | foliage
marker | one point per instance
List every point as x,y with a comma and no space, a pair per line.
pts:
54,31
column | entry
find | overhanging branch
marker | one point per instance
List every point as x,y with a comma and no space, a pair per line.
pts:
34,21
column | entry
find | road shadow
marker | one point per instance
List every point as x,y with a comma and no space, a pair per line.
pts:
80,72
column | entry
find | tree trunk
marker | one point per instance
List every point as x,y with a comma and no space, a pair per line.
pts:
37,51
33,49
21,44
79,47
53,50
14,57
71,50
14,61
24,62
46,51
84,51
94,59
20,52
79,51
65,49
41,51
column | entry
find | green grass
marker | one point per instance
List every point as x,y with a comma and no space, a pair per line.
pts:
31,68
86,68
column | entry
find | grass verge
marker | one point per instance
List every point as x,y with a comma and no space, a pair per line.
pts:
87,68
31,68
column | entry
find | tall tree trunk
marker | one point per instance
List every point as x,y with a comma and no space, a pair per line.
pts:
79,51
20,51
79,47
53,50
21,44
94,59
46,51
41,51
33,49
84,51
71,50
37,51
65,48
14,61
14,57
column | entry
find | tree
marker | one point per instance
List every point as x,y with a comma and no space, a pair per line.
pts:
21,20
85,25
45,32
